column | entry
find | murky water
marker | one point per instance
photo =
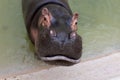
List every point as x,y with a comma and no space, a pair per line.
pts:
99,27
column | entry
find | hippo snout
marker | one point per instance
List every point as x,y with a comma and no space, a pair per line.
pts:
68,51
61,47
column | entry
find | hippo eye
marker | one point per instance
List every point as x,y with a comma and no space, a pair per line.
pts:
45,19
52,33
72,35
76,23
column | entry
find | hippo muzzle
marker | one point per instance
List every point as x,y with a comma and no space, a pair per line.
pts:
52,27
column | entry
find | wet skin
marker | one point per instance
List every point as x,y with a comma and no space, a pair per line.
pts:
53,31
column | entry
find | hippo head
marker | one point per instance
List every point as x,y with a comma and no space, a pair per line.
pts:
56,37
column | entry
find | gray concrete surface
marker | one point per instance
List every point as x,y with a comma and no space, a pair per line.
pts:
105,68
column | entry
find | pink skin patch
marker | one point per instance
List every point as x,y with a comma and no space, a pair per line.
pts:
34,34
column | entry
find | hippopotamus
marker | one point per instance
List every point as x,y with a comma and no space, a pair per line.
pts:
52,28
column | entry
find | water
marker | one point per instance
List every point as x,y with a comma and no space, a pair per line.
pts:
98,25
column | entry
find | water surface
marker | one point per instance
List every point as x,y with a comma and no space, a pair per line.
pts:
99,26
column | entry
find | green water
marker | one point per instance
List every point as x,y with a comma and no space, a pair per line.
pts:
99,27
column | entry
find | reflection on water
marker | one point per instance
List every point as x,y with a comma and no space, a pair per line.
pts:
98,25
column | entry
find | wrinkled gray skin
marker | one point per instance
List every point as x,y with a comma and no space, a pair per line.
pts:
50,47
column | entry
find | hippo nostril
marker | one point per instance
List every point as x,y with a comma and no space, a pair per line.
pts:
72,35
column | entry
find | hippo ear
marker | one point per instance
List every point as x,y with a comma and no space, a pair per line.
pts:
74,22
45,18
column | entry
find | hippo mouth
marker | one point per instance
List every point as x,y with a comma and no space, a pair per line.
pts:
60,58
54,50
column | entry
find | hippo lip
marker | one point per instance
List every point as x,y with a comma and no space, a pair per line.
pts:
64,58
